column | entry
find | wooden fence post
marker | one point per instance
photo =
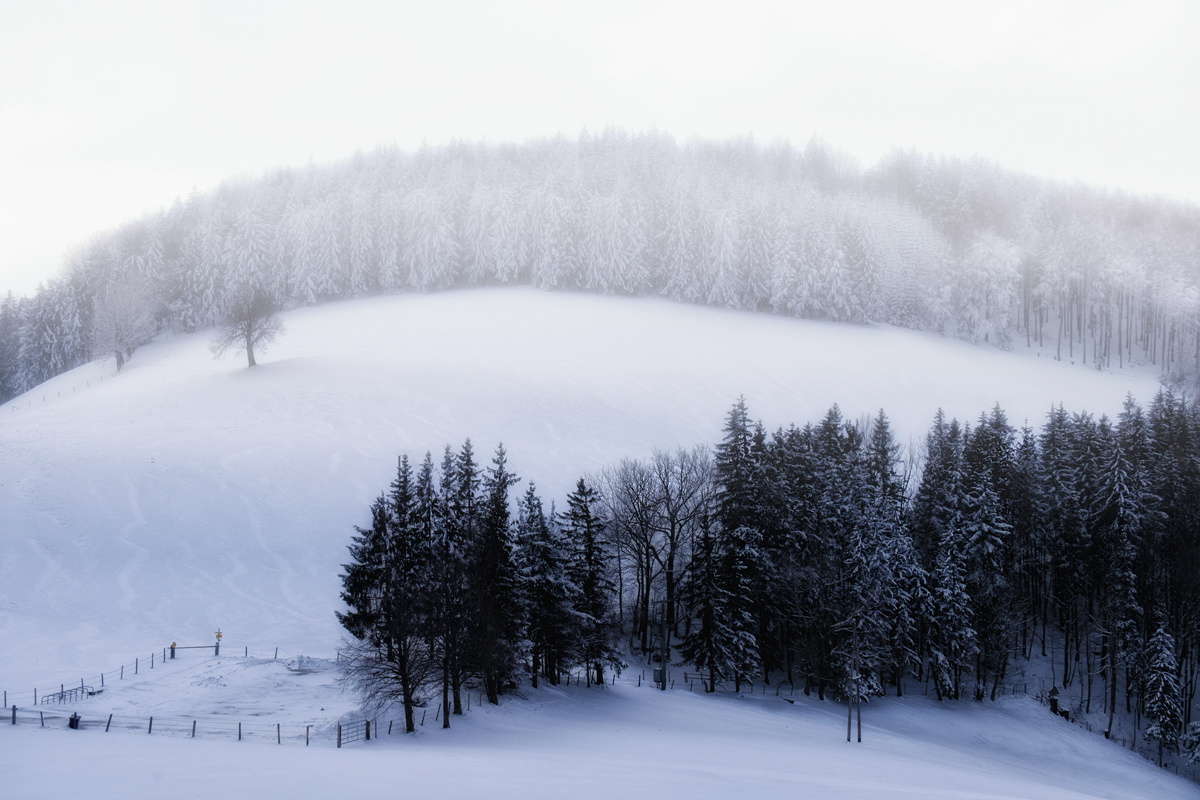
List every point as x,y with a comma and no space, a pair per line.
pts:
14,710
108,724
339,739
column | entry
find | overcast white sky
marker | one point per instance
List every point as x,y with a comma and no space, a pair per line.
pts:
109,110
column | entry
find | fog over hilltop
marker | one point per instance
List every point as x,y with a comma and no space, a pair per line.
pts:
962,247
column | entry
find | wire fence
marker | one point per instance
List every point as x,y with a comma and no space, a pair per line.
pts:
141,666
187,727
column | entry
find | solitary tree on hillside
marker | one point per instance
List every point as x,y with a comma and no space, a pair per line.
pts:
250,320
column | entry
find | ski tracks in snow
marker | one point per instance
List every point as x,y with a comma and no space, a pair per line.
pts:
140,554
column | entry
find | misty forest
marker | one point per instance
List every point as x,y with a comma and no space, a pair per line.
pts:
815,556
961,247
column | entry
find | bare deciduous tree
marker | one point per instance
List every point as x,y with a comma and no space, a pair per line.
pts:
123,321
250,321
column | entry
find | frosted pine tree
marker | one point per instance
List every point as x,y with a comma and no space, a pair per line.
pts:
590,571
495,584
548,590
1160,681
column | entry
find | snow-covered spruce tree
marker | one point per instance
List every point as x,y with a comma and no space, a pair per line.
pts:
590,570
458,488
1123,516
363,578
447,595
705,643
542,559
1160,682
738,564
738,561
384,588
499,614
1189,743
942,497
902,596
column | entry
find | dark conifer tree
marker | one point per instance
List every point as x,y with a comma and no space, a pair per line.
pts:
1161,690
590,572
363,580
548,590
498,614
704,643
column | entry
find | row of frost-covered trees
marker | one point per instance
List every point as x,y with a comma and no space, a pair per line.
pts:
814,555
961,247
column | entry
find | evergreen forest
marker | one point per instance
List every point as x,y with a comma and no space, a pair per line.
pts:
820,556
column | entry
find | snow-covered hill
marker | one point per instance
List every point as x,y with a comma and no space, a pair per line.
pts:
187,494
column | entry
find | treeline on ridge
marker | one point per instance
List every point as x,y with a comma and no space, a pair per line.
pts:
957,246
792,556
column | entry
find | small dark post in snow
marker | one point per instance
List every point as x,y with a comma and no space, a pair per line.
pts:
339,739
109,723
277,652
14,710
193,729
306,730
151,728
42,717
278,735
239,731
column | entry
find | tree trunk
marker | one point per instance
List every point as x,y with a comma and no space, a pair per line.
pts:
249,353
445,695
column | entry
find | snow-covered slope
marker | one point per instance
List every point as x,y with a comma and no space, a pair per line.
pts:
187,494
565,742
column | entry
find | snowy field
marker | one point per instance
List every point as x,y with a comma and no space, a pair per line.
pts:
188,493
616,741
